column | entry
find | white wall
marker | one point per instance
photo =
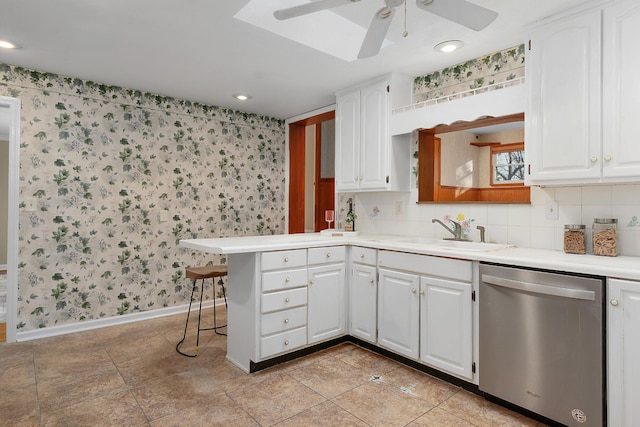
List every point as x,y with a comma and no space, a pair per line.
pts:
519,224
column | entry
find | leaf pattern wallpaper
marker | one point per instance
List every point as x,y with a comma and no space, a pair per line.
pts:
104,163
497,67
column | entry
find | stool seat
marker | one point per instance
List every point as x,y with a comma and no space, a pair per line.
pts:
206,272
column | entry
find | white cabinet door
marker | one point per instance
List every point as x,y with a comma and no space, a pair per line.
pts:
621,90
563,117
375,138
398,312
446,326
326,302
363,302
348,141
623,353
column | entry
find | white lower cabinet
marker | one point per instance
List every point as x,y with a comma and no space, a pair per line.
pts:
283,301
398,311
623,352
417,306
363,294
327,294
425,310
446,325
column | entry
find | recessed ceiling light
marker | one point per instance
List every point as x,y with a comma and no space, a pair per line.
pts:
449,46
241,97
6,44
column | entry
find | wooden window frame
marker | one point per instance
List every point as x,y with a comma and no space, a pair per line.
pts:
503,148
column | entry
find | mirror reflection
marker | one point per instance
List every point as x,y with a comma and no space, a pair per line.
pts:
480,161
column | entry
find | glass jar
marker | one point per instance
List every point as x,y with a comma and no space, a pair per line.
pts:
574,242
605,240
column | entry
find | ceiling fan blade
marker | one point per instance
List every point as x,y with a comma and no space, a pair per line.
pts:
462,12
307,8
376,33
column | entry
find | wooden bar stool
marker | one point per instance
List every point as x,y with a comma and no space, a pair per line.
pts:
203,273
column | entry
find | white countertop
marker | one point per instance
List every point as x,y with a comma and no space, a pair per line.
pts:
624,267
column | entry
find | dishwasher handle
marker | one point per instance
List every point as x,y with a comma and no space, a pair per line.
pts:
540,289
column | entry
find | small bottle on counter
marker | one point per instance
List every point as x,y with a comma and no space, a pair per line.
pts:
605,241
574,242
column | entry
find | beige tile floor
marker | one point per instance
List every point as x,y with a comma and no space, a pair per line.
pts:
131,375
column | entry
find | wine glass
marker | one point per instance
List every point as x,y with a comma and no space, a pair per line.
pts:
329,216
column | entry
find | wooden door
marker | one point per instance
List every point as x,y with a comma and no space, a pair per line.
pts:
324,192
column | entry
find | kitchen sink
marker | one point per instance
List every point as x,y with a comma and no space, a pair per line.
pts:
418,240
471,246
453,244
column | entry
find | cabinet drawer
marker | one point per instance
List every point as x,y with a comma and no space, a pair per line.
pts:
284,342
283,300
281,321
280,280
326,254
284,259
449,268
364,255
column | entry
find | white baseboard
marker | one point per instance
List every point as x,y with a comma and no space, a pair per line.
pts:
109,321
3,266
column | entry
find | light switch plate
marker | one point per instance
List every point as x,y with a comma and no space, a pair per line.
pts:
31,204
398,208
551,210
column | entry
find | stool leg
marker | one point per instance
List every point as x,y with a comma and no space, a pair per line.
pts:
199,316
224,293
184,336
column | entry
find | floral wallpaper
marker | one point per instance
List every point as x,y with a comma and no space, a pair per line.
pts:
496,67
107,166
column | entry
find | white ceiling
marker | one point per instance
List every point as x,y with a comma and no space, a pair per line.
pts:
197,50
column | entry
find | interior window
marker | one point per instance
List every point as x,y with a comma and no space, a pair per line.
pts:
507,164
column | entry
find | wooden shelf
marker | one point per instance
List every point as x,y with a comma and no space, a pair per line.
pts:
483,144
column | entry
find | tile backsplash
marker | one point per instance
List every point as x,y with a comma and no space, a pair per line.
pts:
518,224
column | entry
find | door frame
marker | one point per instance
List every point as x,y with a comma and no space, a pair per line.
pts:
294,127
13,199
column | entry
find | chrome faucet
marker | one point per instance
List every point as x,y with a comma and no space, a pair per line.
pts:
482,231
457,229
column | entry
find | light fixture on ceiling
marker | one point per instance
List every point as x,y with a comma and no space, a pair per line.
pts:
6,44
448,46
241,96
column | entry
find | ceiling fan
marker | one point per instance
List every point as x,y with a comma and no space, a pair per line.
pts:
459,11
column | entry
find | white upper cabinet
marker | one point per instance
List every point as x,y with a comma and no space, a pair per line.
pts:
583,88
621,90
348,141
562,67
367,157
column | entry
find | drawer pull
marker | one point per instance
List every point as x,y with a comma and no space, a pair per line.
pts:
286,259
370,280
287,299
286,342
287,280
421,292
413,291
328,255
286,320
361,255
614,302
311,282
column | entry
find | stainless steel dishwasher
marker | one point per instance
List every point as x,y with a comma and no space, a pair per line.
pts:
542,342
